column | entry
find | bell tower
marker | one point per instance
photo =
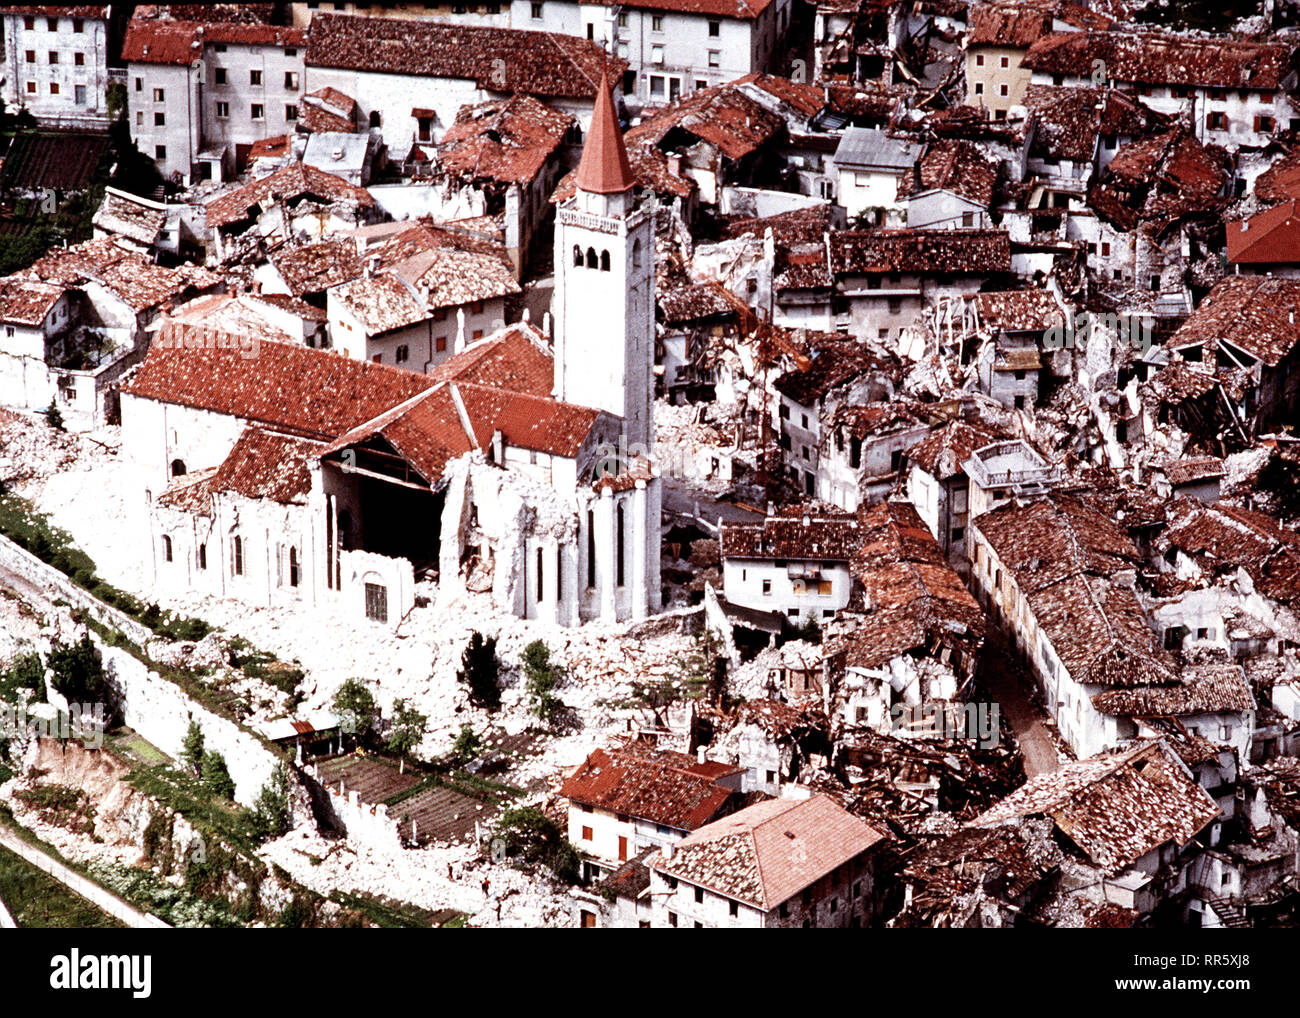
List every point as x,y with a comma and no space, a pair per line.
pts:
604,285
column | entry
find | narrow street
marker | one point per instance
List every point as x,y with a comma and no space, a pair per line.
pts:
1004,677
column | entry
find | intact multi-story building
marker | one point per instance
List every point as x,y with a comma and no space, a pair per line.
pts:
55,63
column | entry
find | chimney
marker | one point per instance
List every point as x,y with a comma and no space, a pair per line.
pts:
699,754
667,852
546,325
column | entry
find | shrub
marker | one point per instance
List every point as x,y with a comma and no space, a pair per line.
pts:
540,678
480,670
192,747
271,816
356,708
216,777
530,836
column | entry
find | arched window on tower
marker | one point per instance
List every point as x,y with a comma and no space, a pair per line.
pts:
375,119
636,254
604,261
591,257
577,256
178,468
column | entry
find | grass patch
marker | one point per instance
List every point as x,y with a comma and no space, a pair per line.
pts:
258,664
38,901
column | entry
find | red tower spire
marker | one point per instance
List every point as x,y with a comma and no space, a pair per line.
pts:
604,168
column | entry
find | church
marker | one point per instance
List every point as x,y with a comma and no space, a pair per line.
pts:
519,466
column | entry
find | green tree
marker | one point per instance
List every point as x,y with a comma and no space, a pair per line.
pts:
541,676
405,730
79,672
271,814
356,708
466,746
528,835
53,417
192,747
480,670
216,777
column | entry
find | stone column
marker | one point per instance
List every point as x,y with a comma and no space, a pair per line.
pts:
605,576
551,556
640,535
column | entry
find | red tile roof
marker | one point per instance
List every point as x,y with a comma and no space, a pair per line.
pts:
647,789
312,393
25,302
262,464
517,359
294,181
501,60
505,140
1115,807
1149,58
767,853
1267,238
150,41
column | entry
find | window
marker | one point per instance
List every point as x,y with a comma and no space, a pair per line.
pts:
715,58
979,59
1264,124
159,95
715,29
29,23
425,127
586,834
31,87
291,52
699,895
733,909
290,112
591,258
1105,249
254,77
167,548
54,56
618,540
54,88
440,344
767,588
219,75
657,80
139,84
203,556
31,56
403,353
537,12
223,110
291,81
52,24
257,111
237,557
139,117
657,23
541,569
672,919
159,120
1004,62
622,20
657,57
968,219
1002,90
604,261
160,151
376,602
79,59
1217,121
